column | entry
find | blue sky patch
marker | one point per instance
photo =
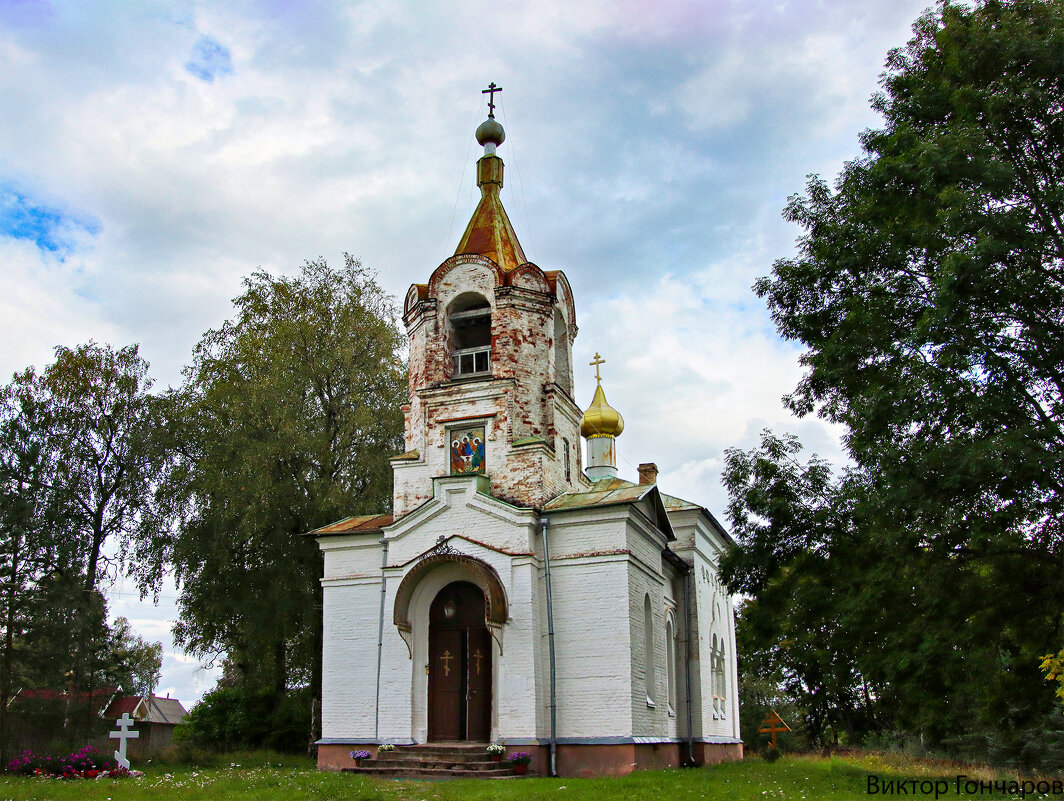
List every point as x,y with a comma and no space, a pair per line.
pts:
209,59
50,228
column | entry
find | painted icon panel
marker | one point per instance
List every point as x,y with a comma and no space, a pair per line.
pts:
468,445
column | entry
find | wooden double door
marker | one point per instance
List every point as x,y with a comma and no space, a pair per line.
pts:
459,665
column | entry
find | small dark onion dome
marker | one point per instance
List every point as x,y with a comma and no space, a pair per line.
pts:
490,131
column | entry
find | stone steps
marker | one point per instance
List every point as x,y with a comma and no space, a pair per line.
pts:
435,760
505,772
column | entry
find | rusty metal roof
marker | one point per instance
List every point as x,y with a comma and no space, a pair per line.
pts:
489,232
360,524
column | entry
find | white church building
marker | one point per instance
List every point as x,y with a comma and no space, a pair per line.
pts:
513,595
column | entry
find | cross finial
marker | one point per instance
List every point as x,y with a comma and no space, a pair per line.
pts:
595,363
124,723
490,92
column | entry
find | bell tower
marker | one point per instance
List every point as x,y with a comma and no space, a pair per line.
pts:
491,378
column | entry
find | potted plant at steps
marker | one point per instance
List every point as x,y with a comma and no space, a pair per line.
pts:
358,756
496,751
520,760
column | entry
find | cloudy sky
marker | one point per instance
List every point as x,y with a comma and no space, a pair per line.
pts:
153,154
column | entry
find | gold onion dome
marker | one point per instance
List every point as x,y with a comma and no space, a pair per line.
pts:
601,419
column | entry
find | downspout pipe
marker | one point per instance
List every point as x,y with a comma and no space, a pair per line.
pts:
544,523
380,641
688,580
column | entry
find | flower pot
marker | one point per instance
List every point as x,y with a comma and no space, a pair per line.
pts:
497,757
358,763
520,770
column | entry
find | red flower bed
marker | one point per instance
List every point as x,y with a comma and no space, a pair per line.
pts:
87,763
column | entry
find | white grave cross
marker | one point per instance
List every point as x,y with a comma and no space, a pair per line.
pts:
123,723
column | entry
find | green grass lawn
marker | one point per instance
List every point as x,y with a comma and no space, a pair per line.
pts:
268,777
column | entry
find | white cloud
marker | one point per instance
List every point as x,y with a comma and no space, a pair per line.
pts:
656,142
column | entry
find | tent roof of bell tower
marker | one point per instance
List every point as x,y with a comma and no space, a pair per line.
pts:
490,232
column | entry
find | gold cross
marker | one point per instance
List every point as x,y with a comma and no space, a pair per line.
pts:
446,659
478,656
595,363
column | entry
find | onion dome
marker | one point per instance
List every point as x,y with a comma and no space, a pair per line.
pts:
490,131
601,419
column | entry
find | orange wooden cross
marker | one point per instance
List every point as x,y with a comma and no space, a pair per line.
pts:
771,725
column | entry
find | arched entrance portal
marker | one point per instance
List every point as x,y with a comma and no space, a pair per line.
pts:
459,665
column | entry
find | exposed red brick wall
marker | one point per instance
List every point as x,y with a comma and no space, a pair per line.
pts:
522,399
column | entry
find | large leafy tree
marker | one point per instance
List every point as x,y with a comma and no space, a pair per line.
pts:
929,292
286,422
77,457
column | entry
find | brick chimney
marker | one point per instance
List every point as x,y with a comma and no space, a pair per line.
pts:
648,473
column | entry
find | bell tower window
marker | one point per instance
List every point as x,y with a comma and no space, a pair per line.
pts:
470,324
563,370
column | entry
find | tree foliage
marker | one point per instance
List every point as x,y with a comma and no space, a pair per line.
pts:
929,293
77,458
289,414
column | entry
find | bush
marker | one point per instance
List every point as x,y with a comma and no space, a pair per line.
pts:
231,718
771,754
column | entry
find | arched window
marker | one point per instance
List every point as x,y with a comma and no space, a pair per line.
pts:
722,670
469,320
670,665
566,460
714,678
648,647
563,372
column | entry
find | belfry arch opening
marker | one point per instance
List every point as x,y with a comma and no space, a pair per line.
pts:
469,321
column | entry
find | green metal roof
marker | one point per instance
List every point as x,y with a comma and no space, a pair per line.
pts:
604,492
614,492
674,504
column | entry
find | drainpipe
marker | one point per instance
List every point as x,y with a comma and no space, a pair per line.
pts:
380,641
544,522
688,579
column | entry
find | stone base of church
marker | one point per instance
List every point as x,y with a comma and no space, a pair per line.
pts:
582,760
335,757
579,759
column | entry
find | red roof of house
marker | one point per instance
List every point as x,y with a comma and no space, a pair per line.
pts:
147,709
98,698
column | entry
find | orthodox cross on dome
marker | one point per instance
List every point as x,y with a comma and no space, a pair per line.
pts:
123,723
490,92
595,363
